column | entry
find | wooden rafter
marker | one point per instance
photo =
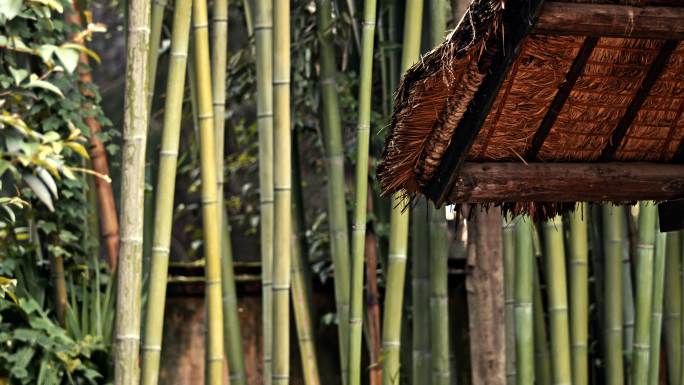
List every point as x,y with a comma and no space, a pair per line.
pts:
567,182
611,20
562,95
518,20
651,77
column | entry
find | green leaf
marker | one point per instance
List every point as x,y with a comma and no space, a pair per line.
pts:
46,51
35,82
45,176
83,49
40,190
78,148
18,74
68,57
10,8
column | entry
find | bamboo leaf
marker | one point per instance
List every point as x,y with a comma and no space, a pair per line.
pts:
10,8
35,82
40,190
45,176
78,148
18,74
69,58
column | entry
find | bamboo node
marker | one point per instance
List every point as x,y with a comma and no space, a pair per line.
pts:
206,116
168,153
368,25
215,358
160,249
391,344
261,27
280,287
178,54
210,282
152,348
355,320
219,20
200,26
128,337
280,82
139,29
399,257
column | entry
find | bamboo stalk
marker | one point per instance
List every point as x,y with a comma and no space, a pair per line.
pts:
361,194
627,296
439,296
127,334
166,181
579,293
156,24
420,285
613,235
337,210
231,334
508,232
524,323
542,353
399,223
644,292
263,30
373,302
210,212
301,277
282,187
657,310
673,306
558,300
59,284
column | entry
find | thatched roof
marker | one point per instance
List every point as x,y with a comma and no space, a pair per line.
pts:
523,81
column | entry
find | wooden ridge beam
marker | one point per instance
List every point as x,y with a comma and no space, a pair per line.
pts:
650,22
518,18
498,182
561,97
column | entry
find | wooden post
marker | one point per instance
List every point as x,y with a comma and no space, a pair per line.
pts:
484,285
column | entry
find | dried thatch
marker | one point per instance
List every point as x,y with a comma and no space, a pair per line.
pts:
436,92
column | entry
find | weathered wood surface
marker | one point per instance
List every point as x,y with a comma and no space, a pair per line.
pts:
612,20
567,182
484,286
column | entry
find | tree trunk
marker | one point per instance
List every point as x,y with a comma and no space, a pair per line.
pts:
484,284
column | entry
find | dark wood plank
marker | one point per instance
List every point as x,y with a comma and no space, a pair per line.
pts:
561,97
671,215
652,75
567,182
518,18
679,155
612,20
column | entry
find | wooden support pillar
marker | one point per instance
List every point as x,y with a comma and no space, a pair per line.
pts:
484,284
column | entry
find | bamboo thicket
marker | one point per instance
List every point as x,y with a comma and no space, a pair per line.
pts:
263,31
282,191
361,194
399,223
166,182
135,122
211,213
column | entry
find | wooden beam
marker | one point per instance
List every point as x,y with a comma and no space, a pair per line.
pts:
567,182
611,20
518,18
561,97
654,71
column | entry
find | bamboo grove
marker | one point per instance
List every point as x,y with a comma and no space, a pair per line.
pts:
590,297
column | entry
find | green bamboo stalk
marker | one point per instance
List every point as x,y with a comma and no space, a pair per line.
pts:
613,237
231,327
231,334
420,284
210,211
558,300
627,297
394,293
301,277
156,24
263,30
399,223
524,292
673,306
361,194
59,284
509,296
657,310
644,292
166,181
579,293
542,353
135,123
282,188
439,297
337,209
